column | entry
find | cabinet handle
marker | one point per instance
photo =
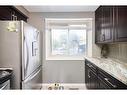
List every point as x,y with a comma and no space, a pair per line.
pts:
106,79
12,17
89,65
103,37
89,74
99,38
15,17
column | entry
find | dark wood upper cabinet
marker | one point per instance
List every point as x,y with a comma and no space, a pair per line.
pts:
5,13
98,24
11,13
110,24
120,15
104,24
107,26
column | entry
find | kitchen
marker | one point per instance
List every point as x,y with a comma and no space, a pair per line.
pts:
102,66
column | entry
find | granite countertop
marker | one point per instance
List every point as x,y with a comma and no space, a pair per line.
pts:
5,74
114,67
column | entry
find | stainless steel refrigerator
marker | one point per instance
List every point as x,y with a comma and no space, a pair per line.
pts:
20,50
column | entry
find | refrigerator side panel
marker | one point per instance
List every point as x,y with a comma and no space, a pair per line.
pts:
10,49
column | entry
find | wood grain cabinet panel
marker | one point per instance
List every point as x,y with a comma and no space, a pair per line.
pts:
11,13
120,23
91,79
110,24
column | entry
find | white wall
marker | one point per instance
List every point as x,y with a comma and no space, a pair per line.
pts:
96,49
63,71
69,71
118,51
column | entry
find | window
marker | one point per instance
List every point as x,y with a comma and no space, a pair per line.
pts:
68,41
59,41
67,38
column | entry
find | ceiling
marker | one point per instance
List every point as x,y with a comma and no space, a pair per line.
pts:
61,8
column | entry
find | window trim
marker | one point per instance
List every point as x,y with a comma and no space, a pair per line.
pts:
61,57
48,55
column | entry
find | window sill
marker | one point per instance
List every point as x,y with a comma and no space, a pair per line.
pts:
65,58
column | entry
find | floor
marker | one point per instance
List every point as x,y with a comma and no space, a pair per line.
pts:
58,86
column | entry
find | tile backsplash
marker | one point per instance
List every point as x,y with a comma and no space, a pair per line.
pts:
118,51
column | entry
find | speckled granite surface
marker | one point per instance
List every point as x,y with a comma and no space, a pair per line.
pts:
113,67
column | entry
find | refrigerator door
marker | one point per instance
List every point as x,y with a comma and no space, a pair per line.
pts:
34,81
30,50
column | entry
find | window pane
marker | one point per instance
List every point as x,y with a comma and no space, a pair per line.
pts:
59,41
77,42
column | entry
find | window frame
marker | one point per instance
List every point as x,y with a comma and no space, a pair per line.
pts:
47,44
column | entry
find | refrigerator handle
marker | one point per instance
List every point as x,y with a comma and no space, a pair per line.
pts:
27,57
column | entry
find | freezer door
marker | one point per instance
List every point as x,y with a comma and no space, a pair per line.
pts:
30,50
34,81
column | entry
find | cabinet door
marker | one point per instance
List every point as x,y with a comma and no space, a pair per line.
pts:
107,26
19,16
106,81
93,80
102,84
87,76
5,13
104,24
98,25
121,23
11,13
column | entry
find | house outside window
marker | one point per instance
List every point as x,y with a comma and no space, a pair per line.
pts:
68,41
